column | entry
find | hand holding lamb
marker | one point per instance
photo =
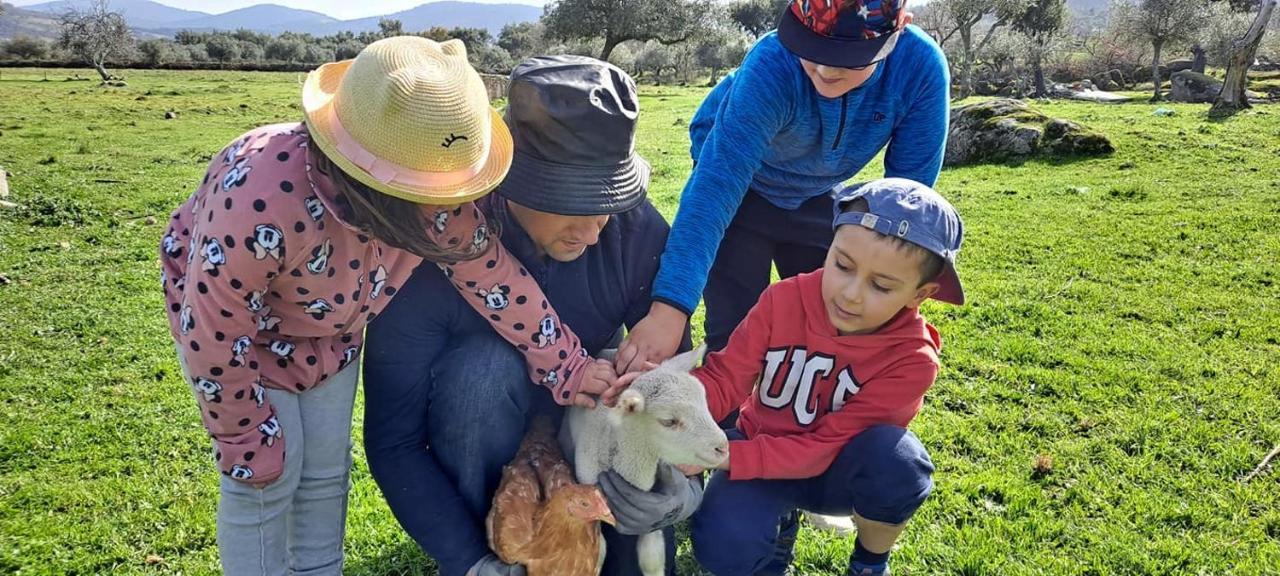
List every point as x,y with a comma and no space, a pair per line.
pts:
674,498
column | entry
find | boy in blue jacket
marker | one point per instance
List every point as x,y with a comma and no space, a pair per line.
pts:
812,104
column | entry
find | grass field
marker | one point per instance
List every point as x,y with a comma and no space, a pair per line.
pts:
1122,333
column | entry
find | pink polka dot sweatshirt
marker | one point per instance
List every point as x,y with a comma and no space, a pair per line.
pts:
267,286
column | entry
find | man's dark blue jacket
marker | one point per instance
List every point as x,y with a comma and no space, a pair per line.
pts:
609,286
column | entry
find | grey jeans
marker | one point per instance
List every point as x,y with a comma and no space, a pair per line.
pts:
295,525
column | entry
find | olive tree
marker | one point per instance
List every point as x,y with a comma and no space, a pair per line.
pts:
1161,23
617,21
1232,97
95,35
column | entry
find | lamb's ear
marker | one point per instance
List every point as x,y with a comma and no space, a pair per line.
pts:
688,361
631,402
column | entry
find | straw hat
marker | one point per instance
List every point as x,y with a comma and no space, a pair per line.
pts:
409,117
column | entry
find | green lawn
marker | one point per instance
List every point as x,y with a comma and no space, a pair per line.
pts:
1122,326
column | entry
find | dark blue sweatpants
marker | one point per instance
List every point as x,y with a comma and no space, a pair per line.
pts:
760,236
884,474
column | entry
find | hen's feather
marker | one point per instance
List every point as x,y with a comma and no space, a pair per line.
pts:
511,523
529,522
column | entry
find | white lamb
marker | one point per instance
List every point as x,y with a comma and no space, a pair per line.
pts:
661,417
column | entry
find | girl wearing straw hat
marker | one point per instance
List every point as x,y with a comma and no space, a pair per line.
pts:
299,235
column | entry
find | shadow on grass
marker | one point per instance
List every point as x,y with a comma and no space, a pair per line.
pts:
32,79
1224,115
403,558
1039,160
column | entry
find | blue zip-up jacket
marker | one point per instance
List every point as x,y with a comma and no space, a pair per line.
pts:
766,128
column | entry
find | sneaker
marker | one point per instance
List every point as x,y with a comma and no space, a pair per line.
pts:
784,548
838,525
860,569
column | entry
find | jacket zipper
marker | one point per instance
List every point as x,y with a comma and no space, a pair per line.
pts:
844,106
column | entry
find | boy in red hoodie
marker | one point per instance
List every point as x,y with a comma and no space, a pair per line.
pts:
828,369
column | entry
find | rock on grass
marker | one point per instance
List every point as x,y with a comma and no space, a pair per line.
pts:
1004,130
1188,86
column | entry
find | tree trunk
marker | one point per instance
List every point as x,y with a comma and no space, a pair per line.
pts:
966,64
1233,97
1155,70
102,70
1041,89
609,44
1198,59
987,38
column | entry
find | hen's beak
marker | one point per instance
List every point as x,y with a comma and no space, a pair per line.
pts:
608,518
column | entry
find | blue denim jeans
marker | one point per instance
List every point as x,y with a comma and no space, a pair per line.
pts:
470,414
479,405
883,473
295,525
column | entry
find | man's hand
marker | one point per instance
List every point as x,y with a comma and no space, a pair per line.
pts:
490,565
673,498
654,339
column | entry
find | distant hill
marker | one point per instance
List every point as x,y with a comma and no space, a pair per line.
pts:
272,18
152,18
23,22
139,13
450,14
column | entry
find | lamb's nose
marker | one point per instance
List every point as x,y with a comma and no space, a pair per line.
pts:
722,450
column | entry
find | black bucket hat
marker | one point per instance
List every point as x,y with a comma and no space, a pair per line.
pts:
573,121
841,33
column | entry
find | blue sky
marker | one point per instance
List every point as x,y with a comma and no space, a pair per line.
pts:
344,9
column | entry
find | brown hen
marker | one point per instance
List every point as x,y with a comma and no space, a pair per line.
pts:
540,517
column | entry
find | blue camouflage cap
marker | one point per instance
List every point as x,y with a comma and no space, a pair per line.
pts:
914,212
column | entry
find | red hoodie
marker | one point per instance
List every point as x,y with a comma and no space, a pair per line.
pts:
818,389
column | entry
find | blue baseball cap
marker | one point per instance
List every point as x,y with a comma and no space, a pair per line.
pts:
914,212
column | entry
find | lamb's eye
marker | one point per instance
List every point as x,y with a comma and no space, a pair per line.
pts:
670,422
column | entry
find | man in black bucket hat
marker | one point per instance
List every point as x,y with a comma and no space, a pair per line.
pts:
573,210
573,121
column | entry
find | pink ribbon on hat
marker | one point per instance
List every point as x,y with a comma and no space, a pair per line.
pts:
388,172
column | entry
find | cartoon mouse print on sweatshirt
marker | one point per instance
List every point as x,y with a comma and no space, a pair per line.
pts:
249,265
